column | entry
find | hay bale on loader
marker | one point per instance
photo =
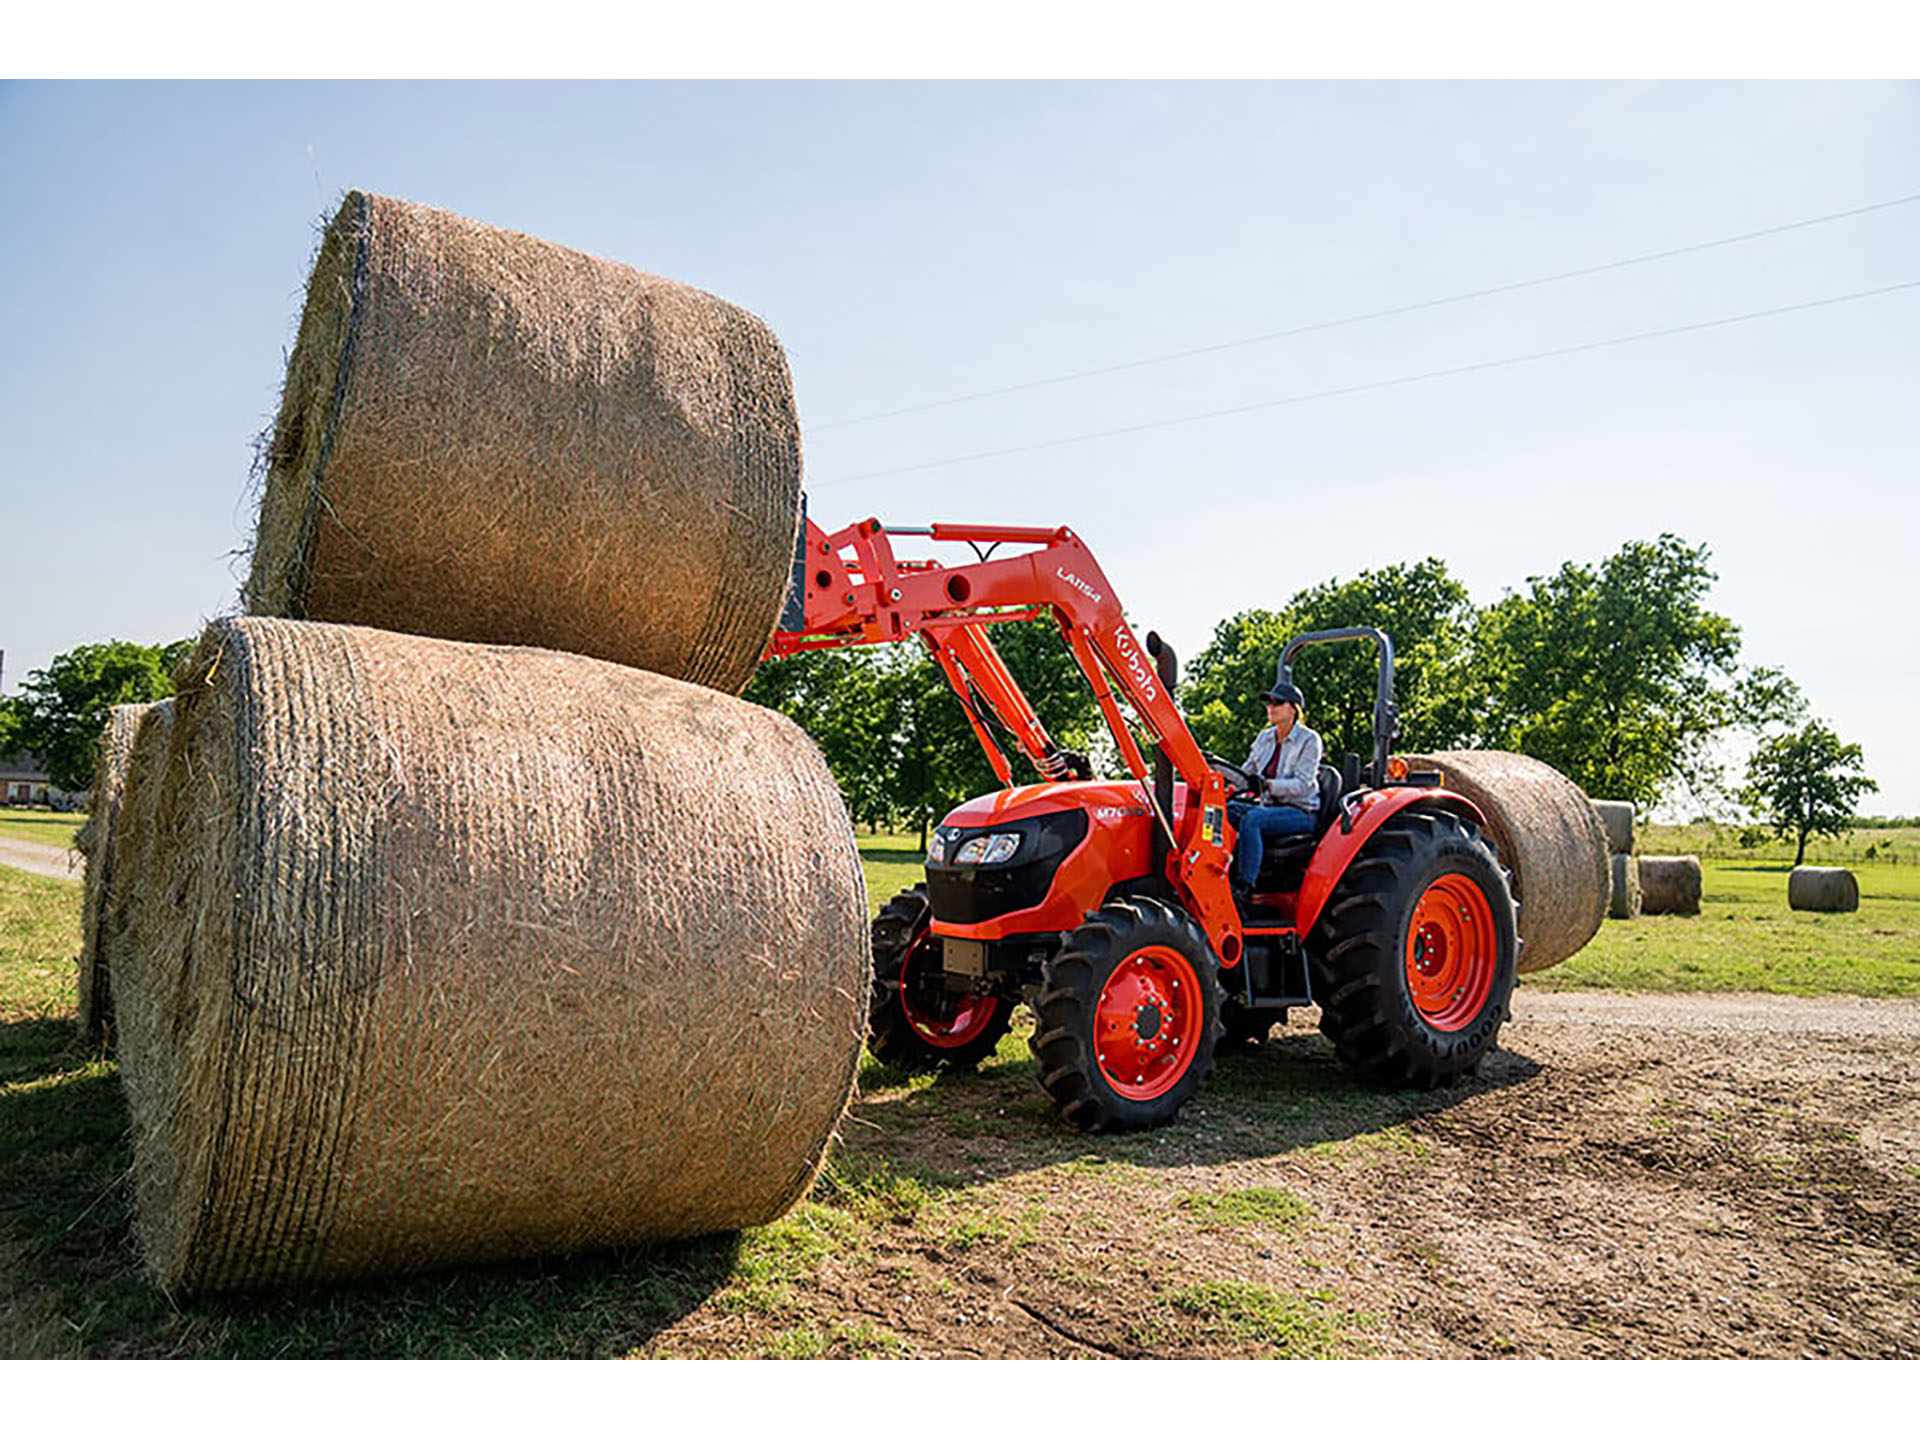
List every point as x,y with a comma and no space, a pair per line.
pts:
1669,884
452,953
1548,838
1623,895
98,840
1826,888
1616,819
488,437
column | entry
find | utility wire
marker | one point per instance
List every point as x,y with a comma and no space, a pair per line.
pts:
1409,309
1371,385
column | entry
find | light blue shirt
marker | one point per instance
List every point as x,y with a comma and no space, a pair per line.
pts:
1297,780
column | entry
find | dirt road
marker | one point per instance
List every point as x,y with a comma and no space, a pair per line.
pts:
1629,1177
40,859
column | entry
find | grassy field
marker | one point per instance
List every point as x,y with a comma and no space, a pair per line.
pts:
930,1177
44,827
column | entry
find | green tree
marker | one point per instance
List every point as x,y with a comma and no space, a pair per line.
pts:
9,725
1617,675
63,708
1806,782
1425,612
834,695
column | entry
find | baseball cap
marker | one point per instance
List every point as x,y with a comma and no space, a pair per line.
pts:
1285,693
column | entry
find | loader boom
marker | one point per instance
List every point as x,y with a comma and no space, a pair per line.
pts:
856,592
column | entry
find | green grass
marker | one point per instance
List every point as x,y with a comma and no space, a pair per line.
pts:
892,863
1242,1317
1745,938
1260,1206
43,827
1866,844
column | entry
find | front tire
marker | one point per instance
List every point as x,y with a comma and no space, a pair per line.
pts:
915,1023
1128,1018
1414,955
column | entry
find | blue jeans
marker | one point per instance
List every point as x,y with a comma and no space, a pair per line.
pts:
1253,824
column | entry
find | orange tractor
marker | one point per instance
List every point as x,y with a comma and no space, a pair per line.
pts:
1105,905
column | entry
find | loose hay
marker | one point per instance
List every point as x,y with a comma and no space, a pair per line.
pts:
1616,819
489,437
1547,836
1669,884
1623,896
453,953
98,841
1827,888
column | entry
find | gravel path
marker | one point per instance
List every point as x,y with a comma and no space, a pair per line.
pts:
41,859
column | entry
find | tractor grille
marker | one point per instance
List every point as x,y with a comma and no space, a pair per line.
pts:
968,894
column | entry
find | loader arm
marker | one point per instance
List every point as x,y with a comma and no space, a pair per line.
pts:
854,591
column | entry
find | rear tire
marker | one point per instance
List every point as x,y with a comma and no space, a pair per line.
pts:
915,1023
1414,954
1128,1017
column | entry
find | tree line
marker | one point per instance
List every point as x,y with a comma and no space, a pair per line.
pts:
1618,674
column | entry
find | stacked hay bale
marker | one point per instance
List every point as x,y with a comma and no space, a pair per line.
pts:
455,957
95,840
455,951
1623,895
1548,838
1826,888
1669,884
485,436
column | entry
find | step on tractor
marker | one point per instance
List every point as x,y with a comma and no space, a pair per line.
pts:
1105,905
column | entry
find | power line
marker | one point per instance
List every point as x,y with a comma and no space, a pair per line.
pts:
1357,319
1371,385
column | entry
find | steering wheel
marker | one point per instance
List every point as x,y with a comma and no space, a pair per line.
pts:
1239,782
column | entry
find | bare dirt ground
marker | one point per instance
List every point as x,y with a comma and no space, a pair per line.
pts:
40,859
1678,1176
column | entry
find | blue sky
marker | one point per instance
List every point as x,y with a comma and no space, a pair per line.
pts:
915,241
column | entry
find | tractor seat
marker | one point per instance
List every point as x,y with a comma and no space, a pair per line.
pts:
1284,861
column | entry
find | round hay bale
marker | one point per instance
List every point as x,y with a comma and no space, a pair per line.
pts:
1623,895
1547,836
1669,884
98,840
453,953
1827,888
1616,819
489,437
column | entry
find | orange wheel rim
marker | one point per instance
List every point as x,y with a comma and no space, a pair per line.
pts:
1146,1026
1452,953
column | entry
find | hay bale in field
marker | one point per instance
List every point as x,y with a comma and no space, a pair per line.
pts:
1623,893
98,840
1669,884
1616,819
489,437
1827,888
1549,840
453,953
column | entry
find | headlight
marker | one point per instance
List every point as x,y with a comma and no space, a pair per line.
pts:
995,849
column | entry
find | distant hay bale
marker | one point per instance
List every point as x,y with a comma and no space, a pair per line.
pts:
98,840
1549,839
1623,894
1827,888
1669,884
489,437
452,953
1616,819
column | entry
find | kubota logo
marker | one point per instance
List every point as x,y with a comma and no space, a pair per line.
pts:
1082,586
1136,664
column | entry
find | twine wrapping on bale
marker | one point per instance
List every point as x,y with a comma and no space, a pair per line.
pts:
1669,884
98,841
467,952
488,437
1548,838
1827,888
1623,895
1616,819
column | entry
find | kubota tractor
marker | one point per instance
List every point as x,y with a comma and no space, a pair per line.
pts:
1104,905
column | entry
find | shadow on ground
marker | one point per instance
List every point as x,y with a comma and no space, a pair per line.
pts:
1289,1094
